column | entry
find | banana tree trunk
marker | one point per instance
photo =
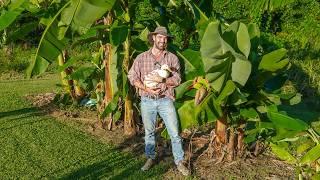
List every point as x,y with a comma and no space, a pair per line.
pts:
107,84
129,123
67,84
221,130
240,140
229,138
71,86
231,145
108,94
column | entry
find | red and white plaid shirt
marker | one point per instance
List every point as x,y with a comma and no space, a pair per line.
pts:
147,62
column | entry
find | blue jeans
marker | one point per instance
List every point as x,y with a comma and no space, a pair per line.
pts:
165,108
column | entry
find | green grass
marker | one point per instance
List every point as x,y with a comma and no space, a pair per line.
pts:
34,145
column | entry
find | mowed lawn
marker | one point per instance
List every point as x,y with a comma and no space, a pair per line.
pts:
34,145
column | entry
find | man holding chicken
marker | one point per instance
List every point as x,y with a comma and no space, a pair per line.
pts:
155,74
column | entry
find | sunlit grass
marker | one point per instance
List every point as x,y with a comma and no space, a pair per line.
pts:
34,145
306,75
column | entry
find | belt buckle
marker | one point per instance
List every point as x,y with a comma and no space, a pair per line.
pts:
154,97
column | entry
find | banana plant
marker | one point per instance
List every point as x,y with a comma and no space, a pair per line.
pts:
230,83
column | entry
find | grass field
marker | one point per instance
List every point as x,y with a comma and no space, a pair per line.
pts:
34,145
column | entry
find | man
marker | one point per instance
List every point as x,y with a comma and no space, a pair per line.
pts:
159,99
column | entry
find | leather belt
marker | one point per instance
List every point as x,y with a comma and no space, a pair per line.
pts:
155,97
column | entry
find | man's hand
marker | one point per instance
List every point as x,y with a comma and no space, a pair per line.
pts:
152,91
139,85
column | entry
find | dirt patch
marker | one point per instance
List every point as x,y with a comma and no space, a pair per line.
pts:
41,100
261,167
265,166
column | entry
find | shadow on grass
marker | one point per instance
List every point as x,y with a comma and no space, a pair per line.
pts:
308,109
116,165
20,117
121,162
19,112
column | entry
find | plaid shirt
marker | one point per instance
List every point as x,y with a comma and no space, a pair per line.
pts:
146,62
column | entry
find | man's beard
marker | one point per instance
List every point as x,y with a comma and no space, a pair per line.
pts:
158,46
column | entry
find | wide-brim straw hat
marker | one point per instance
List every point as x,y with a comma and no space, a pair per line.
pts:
159,30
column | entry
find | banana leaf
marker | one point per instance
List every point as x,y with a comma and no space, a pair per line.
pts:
77,14
15,8
283,121
312,155
274,61
216,52
282,153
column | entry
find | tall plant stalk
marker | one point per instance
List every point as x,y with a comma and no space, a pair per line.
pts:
129,122
108,96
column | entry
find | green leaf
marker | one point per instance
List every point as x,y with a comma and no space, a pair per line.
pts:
165,134
81,14
227,91
82,73
274,61
220,59
316,176
305,146
15,4
250,114
69,63
212,44
238,97
139,45
282,134
117,116
284,121
296,99
115,67
7,18
243,39
187,115
253,30
118,34
201,19
144,35
283,154
193,63
15,8
182,89
21,32
49,48
111,107
266,125
241,70
312,155
208,110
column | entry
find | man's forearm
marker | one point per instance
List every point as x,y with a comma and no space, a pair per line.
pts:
171,82
138,84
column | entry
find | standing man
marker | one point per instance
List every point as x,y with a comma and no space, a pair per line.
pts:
158,99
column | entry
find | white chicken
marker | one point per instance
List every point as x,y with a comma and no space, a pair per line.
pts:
164,72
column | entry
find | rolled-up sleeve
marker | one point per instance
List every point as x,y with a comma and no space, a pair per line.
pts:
134,72
175,79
